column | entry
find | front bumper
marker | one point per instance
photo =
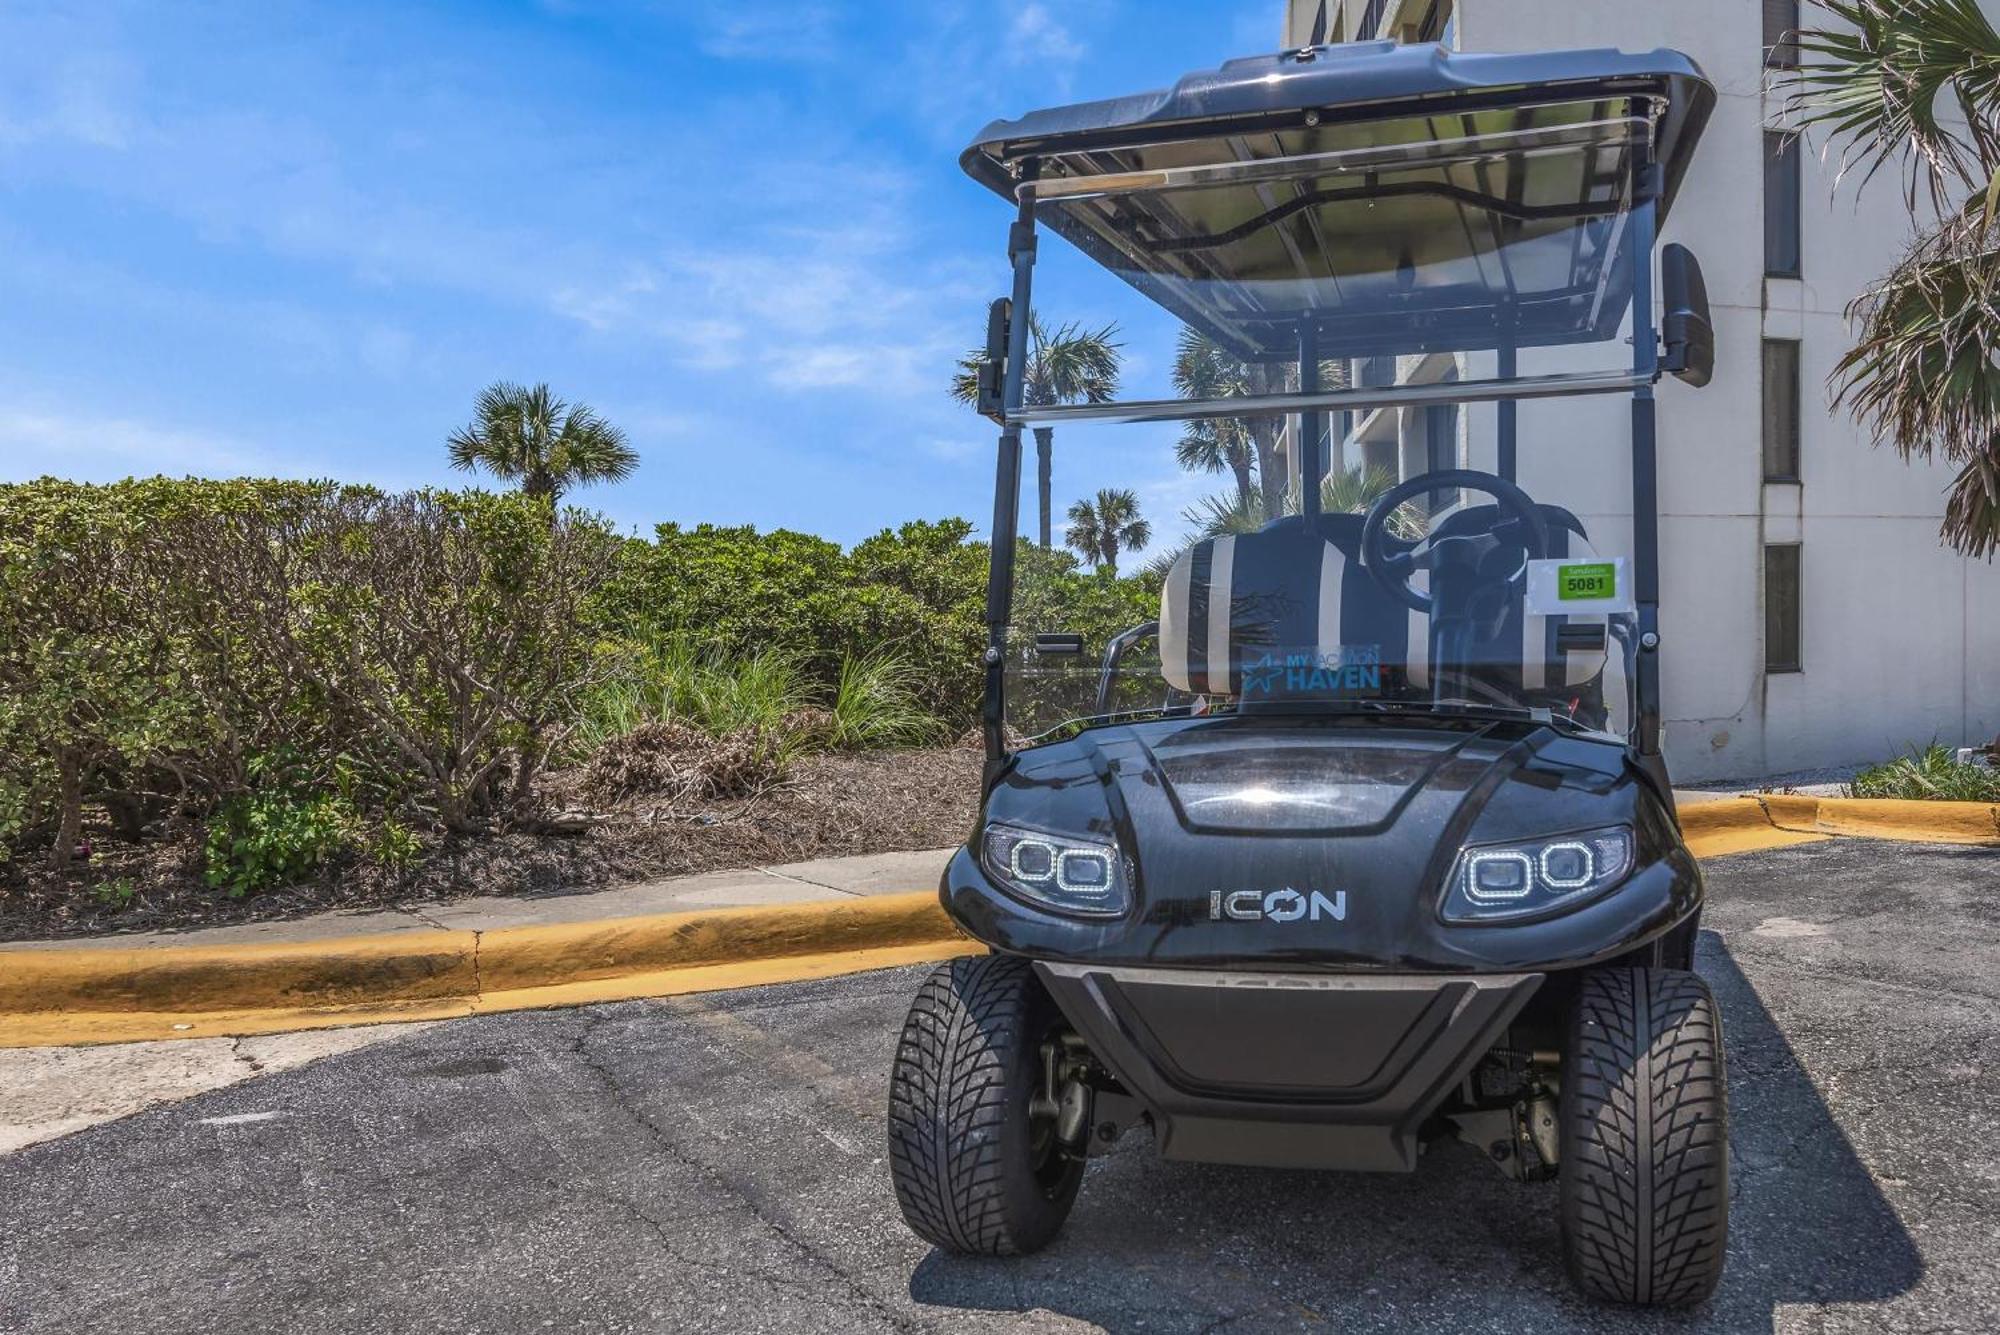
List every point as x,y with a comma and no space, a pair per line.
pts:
1287,1070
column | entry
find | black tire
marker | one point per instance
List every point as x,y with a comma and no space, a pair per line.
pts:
1645,1138
974,1172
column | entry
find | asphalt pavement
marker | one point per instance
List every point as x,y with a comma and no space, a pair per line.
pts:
716,1163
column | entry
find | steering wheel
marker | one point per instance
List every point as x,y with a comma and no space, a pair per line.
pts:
1392,570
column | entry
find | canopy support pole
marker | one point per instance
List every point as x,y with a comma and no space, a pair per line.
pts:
1508,409
1647,182
1312,422
1007,486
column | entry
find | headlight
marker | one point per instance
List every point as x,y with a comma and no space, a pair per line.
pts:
1491,882
1063,873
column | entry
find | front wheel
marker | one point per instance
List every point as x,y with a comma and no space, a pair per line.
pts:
978,1168
1645,1140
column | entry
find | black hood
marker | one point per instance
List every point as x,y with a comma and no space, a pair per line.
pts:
1374,810
1268,777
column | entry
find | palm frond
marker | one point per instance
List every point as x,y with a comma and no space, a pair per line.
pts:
1213,445
1882,76
1071,365
965,379
1924,376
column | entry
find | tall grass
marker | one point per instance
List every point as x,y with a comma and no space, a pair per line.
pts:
875,706
1932,773
872,704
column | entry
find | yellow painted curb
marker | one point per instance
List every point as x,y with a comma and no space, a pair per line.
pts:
1889,818
1735,825
400,967
123,994
1772,820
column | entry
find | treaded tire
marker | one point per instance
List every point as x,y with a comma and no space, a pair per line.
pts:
972,1174
1645,1139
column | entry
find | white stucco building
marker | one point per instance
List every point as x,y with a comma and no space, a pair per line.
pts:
1810,616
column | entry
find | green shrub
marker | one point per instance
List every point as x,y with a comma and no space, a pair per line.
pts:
156,634
916,592
395,846
1932,773
116,893
426,653
263,840
118,681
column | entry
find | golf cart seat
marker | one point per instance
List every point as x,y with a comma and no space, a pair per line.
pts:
1298,596
1294,598
1523,655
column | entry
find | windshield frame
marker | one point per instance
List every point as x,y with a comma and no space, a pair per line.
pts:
1644,191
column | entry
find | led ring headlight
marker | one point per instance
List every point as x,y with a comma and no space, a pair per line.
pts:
1038,866
1496,882
1573,854
1076,876
1499,875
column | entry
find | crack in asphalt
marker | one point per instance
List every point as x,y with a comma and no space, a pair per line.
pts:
759,1207
805,880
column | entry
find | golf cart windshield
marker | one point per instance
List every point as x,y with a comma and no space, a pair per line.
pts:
1454,590
1421,234
1385,272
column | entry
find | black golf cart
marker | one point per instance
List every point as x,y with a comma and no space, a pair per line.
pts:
1366,840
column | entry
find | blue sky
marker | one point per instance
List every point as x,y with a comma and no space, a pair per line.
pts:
287,239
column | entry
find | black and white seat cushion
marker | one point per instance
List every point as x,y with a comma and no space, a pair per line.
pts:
1281,594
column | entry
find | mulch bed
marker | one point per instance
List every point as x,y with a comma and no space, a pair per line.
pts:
828,806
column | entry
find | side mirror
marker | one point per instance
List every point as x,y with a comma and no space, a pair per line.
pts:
1686,330
1059,643
992,377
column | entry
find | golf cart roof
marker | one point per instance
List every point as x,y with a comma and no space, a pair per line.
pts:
1364,187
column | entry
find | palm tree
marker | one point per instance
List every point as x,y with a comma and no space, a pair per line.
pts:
1098,532
1072,365
1916,84
1204,369
549,446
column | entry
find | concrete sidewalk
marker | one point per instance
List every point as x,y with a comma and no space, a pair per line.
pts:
750,887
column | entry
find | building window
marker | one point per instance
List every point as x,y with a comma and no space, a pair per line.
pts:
1781,204
1371,21
1375,372
1782,601
1319,26
1781,410
1436,24
1781,24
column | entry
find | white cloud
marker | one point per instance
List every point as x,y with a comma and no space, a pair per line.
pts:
103,448
741,30
1036,35
964,57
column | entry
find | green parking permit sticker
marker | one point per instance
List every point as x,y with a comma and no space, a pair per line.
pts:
1587,582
